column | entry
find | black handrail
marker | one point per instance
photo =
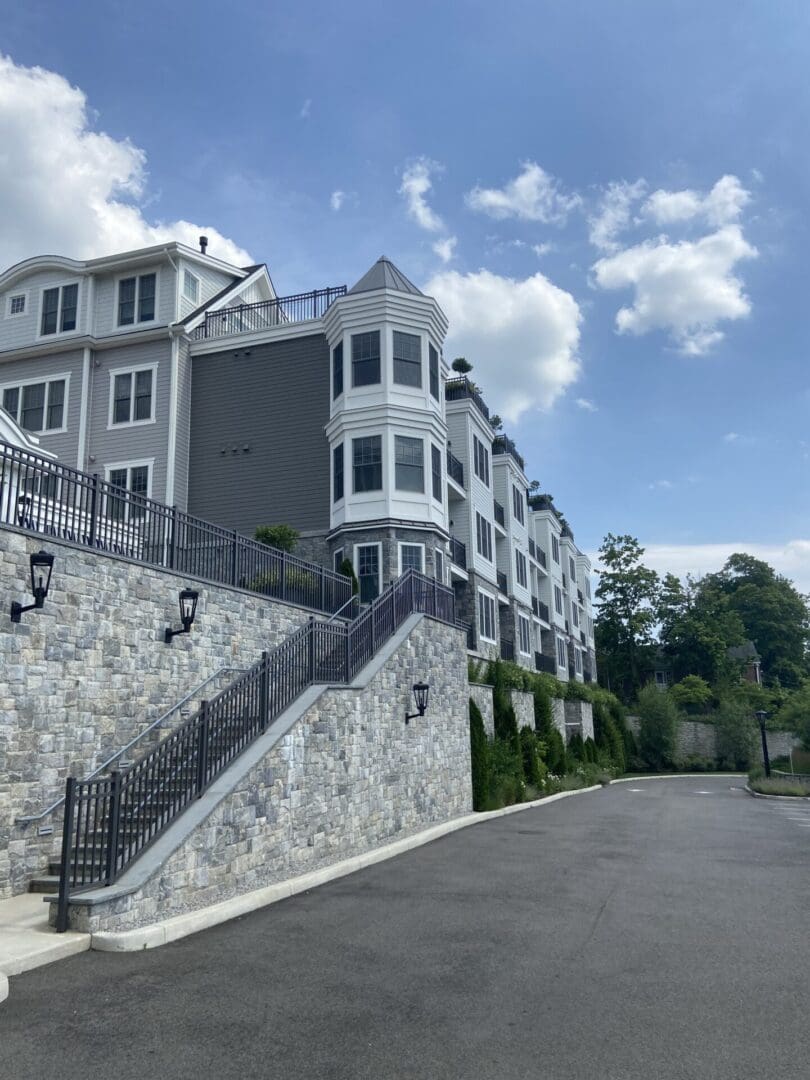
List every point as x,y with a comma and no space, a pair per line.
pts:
109,822
249,318
46,497
456,389
455,469
458,553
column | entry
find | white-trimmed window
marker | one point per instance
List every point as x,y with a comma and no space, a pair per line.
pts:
433,364
483,537
16,304
39,406
573,568
337,370
518,504
367,463
411,557
486,616
436,473
481,460
562,654
132,396
521,569
367,567
409,464
337,473
578,661
137,299
555,548
438,565
134,477
191,287
366,358
574,615
407,359
60,309
588,587
337,559
524,635
558,600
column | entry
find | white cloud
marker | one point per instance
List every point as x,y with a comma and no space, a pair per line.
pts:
685,288
731,436
661,485
446,248
791,558
586,404
306,108
722,205
542,249
416,183
336,199
613,213
521,336
533,195
69,190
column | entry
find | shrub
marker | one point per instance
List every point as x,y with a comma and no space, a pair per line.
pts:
736,735
479,753
778,786
506,775
534,770
347,570
692,694
282,537
658,727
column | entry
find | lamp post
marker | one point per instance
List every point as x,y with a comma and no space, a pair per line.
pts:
761,716
420,693
188,609
41,569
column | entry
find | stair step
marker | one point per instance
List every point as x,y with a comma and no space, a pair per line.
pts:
45,884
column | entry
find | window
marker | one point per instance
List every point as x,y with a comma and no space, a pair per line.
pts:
573,568
409,464
407,359
555,548
366,358
136,299
367,463
411,557
337,370
578,661
574,615
59,307
367,568
131,396
191,287
438,565
135,478
562,657
337,473
558,604
37,406
524,635
517,504
436,472
433,363
16,304
521,569
486,616
337,559
483,533
588,587
481,457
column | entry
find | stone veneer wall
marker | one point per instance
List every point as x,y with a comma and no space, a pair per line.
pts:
88,672
579,715
523,704
482,696
699,739
349,776
558,715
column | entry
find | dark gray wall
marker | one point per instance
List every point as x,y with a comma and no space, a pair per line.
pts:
276,402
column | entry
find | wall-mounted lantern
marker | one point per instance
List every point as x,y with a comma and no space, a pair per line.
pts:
420,693
188,609
41,568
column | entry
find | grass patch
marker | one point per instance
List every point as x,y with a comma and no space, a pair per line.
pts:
774,786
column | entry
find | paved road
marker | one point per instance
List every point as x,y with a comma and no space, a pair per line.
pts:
653,930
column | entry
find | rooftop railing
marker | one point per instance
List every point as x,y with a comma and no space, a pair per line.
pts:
502,444
250,318
457,389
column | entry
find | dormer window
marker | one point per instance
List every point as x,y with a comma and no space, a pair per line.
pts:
191,287
59,308
136,299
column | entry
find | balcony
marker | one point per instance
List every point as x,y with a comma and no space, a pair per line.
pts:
502,583
579,597
541,558
455,469
500,514
502,444
458,389
587,673
507,649
532,548
582,637
458,553
252,318
544,663
540,609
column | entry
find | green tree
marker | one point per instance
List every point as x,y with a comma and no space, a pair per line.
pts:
461,366
628,595
658,727
736,734
692,694
697,626
282,537
794,715
480,755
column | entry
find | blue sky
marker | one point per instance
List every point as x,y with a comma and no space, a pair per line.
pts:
545,168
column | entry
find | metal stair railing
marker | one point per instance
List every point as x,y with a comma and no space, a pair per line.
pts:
109,822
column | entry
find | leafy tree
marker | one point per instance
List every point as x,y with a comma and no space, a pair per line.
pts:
692,694
461,366
658,727
794,715
495,422
479,752
736,734
697,626
282,537
628,595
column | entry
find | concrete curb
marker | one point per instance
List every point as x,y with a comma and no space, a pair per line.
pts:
180,926
679,776
3,987
778,798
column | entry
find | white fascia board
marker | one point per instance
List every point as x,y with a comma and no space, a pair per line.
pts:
377,416
260,337
385,305
223,301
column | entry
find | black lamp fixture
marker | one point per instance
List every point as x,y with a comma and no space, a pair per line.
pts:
41,568
762,716
188,609
420,693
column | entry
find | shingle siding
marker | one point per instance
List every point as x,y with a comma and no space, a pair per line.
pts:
276,402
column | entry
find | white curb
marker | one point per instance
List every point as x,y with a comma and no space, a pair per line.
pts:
180,926
778,798
679,776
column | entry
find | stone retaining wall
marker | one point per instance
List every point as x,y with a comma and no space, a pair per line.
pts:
482,696
523,704
88,672
697,738
349,776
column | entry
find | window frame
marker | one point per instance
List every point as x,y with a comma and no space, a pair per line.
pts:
366,359
139,463
577,660
338,350
485,457
521,561
406,543
187,274
338,455
16,296
434,372
336,562
487,600
558,601
518,504
416,441
555,548
19,384
562,652
524,625
356,564
436,478
57,333
410,364
483,528
438,565
132,371
118,326
378,464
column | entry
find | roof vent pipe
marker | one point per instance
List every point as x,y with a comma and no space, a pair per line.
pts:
203,244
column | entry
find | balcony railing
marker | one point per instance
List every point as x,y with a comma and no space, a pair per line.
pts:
457,389
455,469
502,444
502,582
544,663
582,637
458,553
587,674
500,514
249,318
540,609
579,596
541,558
532,548
507,649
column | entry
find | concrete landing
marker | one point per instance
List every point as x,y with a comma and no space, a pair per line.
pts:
26,940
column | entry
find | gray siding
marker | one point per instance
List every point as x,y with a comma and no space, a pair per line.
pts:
63,444
20,331
106,304
211,282
276,402
183,426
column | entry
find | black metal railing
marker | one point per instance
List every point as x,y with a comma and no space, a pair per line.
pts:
109,822
542,611
507,649
541,557
587,674
502,582
545,663
456,389
455,469
45,497
249,318
579,596
502,444
582,637
532,548
500,514
458,553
